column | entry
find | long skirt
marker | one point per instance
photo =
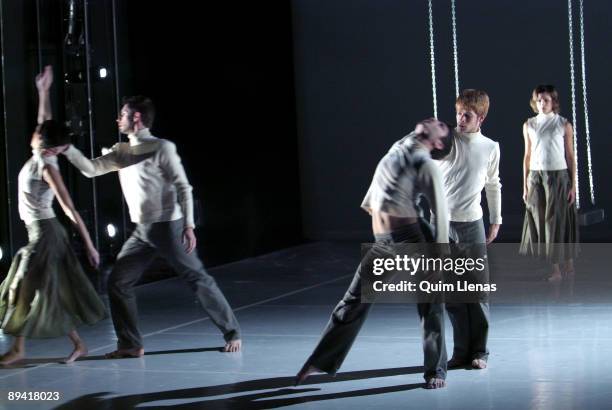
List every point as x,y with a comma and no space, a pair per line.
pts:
550,229
46,293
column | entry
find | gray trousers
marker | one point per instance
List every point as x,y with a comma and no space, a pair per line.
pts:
470,320
162,239
349,315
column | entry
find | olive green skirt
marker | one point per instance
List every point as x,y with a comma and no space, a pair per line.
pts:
46,293
550,229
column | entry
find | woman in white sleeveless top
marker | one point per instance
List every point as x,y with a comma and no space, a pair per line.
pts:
46,293
549,185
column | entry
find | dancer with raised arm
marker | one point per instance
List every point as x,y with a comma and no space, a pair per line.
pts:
46,293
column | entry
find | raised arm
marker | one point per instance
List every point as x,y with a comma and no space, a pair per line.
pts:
56,182
89,168
43,85
92,167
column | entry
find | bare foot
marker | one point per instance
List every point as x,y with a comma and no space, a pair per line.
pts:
80,350
11,357
435,383
479,364
303,374
568,267
233,346
454,363
125,353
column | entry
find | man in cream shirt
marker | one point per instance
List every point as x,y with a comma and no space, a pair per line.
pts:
472,165
160,202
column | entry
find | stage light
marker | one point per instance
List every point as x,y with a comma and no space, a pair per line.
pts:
111,230
1,254
103,72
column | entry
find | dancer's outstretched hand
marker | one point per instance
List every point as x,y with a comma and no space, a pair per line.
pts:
189,240
93,256
45,79
47,152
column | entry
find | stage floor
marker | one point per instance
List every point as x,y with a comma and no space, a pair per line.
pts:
543,356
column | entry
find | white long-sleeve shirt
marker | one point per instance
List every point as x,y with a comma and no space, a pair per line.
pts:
404,172
151,174
473,164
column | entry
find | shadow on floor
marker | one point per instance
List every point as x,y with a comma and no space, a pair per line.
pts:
281,386
27,363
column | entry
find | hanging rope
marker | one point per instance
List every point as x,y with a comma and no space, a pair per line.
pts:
38,37
455,53
586,109
573,85
433,61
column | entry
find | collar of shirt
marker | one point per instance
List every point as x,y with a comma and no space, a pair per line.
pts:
140,137
545,117
470,135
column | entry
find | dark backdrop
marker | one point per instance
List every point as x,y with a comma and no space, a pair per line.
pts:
363,80
221,77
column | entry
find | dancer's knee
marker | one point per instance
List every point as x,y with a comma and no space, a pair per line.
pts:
346,313
119,285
